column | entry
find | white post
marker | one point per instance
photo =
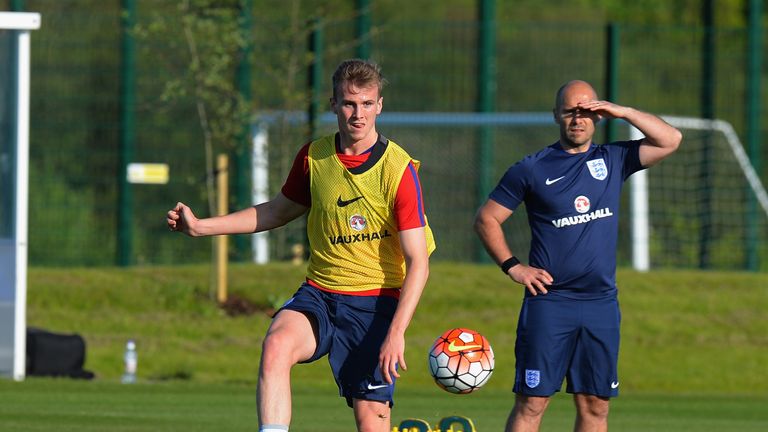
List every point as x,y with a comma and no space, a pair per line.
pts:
23,23
22,206
260,178
639,214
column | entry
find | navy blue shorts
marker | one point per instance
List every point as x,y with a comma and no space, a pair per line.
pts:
561,338
351,330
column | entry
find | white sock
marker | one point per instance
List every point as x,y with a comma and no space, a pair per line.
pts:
273,428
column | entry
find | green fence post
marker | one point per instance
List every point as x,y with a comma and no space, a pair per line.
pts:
315,74
486,101
17,5
753,109
315,80
242,156
363,29
127,134
708,112
611,74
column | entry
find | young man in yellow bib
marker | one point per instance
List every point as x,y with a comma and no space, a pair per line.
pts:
369,257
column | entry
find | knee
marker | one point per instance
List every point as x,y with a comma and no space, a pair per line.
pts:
376,423
372,416
275,354
531,406
592,406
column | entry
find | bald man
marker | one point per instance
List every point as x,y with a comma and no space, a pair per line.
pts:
569,320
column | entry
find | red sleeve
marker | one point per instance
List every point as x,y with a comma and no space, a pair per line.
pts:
409,203
296,187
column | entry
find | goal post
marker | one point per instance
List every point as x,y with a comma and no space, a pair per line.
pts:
736,147
15,30
638,183
641,224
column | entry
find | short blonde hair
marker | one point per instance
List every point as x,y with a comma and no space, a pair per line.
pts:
361,73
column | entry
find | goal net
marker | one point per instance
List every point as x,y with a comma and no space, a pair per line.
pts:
704,206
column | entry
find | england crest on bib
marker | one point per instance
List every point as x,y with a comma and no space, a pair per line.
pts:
598,169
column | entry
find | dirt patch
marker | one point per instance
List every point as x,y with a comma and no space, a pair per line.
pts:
237,306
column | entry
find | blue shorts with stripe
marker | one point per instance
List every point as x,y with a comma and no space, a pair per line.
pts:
559,338
351,330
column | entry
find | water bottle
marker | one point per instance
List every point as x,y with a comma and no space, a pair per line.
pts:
130,359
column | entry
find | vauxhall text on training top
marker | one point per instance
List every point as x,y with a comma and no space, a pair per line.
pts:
352,229
572,201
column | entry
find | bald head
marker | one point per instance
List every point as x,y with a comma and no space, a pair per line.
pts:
577,124
576,89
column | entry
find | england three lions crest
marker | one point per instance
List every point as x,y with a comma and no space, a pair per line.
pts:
532,377
598,169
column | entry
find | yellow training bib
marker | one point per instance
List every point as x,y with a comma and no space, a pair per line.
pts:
353,236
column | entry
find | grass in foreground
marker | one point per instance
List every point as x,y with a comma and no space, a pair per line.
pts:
60,405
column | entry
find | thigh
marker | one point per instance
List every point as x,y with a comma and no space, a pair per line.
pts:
307,316
547,331
362,324
594,369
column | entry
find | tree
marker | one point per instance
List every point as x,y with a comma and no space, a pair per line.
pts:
214,43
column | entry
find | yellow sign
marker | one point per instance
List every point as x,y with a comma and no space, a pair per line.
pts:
446,425
148,173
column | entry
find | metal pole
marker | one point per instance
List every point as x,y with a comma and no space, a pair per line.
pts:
753,109
315,74
260,180
363,29
707,112
23,59
486,88
315,78
127,135
17,5
486,102
242,156
486,92
641,256
611,74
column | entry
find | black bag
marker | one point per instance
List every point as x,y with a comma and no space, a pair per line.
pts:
51,354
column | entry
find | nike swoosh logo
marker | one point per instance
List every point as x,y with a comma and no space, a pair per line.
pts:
551,182
342,203
453,348
614,384
375,387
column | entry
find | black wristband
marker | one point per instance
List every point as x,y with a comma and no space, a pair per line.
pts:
508,264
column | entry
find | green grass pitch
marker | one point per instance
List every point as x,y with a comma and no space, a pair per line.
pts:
694,350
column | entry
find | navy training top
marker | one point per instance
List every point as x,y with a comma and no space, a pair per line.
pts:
572,202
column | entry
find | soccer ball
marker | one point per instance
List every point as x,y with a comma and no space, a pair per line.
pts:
461,361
